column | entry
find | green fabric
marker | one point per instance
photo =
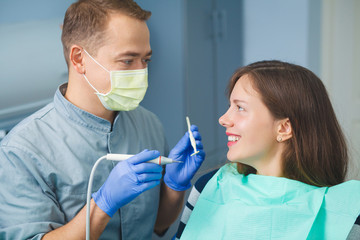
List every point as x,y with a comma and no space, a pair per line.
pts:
234,206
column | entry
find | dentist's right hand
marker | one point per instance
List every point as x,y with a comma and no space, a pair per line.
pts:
127,180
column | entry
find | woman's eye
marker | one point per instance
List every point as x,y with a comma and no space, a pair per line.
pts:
240,108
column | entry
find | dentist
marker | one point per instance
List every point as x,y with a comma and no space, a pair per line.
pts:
47,158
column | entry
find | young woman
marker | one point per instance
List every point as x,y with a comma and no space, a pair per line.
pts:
288,162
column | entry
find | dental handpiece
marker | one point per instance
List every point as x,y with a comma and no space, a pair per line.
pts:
159,160
114,157
191,136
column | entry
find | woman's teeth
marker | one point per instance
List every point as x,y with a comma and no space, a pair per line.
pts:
233,138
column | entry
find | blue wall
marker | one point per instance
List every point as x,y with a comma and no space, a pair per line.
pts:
31,60
284,30
165,95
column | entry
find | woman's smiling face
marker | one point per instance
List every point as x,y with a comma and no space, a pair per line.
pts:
251,128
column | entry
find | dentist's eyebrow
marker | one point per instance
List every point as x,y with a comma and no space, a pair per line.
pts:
133,54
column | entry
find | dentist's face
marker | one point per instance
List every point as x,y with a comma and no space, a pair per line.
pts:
127,47
250,127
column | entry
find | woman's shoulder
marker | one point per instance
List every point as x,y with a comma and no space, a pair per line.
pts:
204,179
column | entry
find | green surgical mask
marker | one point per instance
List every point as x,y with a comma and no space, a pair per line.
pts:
128,88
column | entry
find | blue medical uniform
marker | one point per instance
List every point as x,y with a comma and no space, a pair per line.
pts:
45,164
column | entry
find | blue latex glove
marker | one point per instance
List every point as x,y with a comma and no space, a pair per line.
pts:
178,175
127,180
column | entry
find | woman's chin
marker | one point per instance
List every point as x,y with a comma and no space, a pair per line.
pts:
237,159
233,159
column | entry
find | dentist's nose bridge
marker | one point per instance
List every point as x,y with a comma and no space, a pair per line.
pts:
138,64
141,63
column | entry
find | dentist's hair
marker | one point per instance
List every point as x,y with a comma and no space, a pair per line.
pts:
316,153
86,21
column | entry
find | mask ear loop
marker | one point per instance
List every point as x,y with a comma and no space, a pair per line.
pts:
97,92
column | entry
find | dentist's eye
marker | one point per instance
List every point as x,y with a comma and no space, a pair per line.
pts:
147,61
127,62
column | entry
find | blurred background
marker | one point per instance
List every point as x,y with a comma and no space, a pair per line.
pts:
197,45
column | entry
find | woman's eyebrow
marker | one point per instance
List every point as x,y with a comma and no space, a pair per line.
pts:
239,101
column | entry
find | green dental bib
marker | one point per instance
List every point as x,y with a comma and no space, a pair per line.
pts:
234,206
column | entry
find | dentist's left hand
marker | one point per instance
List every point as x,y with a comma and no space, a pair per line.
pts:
178,175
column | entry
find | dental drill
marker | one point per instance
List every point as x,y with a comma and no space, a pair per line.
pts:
114,157
159,160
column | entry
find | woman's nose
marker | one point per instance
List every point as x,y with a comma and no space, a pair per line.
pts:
225,120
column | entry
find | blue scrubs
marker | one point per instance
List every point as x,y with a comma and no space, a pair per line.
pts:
46,162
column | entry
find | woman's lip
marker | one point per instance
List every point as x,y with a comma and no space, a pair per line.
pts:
229,144
231,134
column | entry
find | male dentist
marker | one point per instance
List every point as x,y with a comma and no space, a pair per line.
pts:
45,161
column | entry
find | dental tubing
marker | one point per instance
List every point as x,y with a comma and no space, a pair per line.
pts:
114,157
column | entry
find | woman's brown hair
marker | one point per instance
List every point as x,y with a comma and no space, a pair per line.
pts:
317,152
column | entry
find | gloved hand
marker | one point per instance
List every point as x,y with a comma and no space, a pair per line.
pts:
127,180
178,175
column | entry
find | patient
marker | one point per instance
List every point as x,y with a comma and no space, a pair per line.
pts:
288,162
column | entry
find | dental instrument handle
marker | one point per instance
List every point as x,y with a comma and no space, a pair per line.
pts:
191,136
121,157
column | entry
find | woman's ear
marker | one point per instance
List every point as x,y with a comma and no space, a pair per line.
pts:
284,130
77,59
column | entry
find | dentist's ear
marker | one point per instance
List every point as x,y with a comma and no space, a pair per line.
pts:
284,130
76,57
